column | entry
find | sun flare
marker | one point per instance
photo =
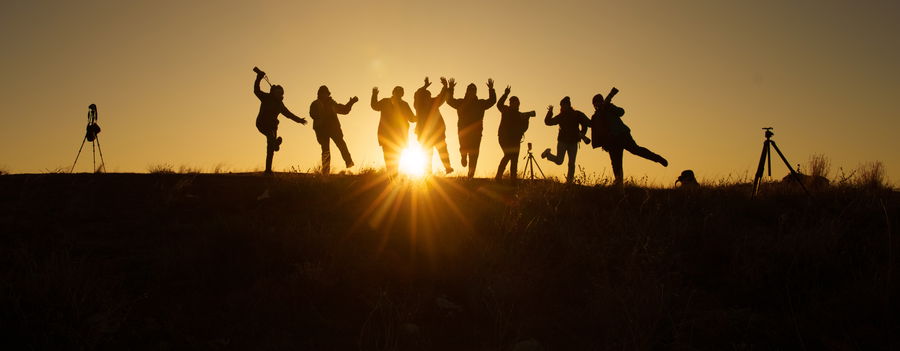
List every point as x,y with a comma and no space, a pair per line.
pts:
412,160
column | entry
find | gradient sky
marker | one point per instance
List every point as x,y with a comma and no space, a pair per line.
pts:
698,79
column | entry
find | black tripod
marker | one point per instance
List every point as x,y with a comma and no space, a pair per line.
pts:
530,163
90,134
767,156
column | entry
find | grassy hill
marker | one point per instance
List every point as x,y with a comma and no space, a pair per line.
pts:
244,261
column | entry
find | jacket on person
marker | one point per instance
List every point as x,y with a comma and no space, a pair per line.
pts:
471,111
429,122
324,113
569,121
393,126
607,125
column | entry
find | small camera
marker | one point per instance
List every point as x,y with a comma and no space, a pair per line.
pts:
529,147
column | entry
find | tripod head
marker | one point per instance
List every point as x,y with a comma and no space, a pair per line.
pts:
769,133
529,148
92,114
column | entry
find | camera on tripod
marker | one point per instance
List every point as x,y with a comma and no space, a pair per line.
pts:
90,134
92,128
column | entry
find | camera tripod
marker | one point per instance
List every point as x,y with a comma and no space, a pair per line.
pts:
767,156
530,163
90,134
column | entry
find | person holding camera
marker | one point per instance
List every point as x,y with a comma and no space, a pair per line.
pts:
324,111
430,127
470,111
614,136
270,106
393,127
569,121
513,125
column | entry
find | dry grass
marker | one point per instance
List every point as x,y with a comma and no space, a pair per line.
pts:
818,166
871,175
161,168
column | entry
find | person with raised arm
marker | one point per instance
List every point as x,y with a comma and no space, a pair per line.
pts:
430,127
513,125
614,136
271,104
470,111
324,111
569,121
393,126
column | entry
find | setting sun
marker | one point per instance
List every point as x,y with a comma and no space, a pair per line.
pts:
412,160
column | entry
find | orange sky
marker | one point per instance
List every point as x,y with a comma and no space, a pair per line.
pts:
173,79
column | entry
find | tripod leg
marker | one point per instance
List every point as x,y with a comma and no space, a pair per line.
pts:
94,152
761,167
788,164
539,168
79,154
102,162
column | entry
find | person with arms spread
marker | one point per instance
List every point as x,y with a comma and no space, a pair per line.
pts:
513,125
324,111
430,128
569,121
393,126
470,124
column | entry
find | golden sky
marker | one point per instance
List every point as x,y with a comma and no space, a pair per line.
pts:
698,79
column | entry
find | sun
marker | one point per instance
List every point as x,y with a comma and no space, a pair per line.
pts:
412,160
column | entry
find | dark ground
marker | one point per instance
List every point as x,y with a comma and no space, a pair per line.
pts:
178,261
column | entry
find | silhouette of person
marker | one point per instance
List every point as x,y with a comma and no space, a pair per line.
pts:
324,111
569,121
470,124
270,106
393,127
513,125
614,136
430,128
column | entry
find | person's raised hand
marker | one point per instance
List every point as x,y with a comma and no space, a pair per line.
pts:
508,88
490,83
550,108
452,83
303,121
427,83
375,91
444,81
354,99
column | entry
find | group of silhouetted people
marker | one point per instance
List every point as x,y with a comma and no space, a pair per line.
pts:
607,129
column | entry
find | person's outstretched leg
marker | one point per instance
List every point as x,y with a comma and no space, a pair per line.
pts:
637,150
342,146
560,153
572,151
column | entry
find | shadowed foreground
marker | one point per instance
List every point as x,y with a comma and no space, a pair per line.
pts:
128,261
